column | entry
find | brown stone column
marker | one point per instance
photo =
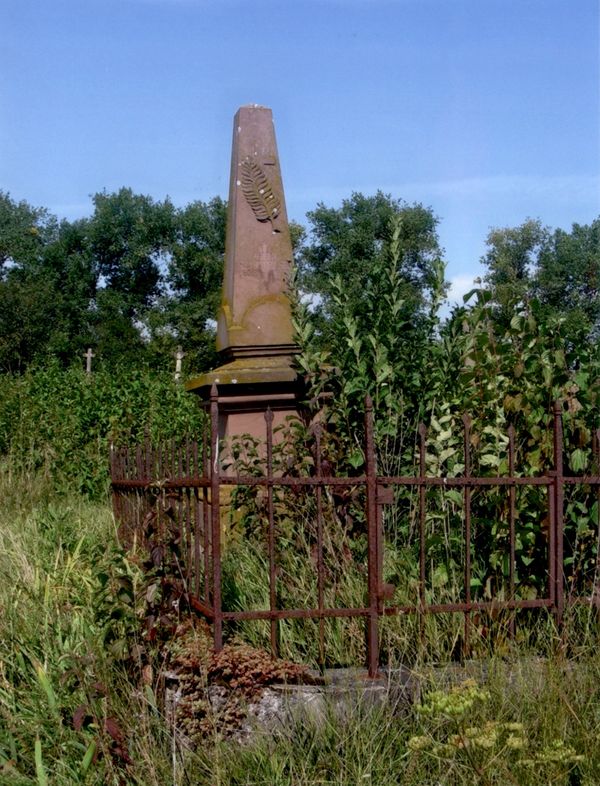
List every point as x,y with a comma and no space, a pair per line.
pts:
254,327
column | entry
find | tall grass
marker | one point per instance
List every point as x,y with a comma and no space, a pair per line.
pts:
66,607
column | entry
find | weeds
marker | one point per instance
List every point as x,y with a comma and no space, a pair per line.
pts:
76,707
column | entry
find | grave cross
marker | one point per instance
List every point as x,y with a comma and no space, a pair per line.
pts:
179,356
88,360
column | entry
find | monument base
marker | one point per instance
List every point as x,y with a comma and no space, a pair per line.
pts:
246,387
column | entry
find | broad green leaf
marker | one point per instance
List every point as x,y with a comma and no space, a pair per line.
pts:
453,495
489,460
446,453
578,460
356,459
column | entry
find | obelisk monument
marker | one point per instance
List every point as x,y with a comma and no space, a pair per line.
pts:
254,326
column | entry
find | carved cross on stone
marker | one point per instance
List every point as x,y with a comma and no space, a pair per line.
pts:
179,356
88,360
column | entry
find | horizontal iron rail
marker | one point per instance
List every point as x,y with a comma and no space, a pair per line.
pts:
474,605
327,480
434,608
146,483
466,480
279,614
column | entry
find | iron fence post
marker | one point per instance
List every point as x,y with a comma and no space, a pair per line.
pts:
274,624
374,580
559,590
422,524
467,422
215,510
320,559
512,515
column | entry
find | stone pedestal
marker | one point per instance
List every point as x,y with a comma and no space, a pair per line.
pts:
254,327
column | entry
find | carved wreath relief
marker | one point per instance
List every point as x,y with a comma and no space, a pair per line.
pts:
259,193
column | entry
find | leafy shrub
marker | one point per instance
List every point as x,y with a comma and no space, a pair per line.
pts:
60,422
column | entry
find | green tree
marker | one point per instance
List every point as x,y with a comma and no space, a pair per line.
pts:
559,269
377,332
24,230
194,276
348,242
567,279
511,260
130,238
47,285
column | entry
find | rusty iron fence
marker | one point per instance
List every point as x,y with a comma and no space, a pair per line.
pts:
184,488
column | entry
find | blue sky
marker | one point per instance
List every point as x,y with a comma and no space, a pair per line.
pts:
486,110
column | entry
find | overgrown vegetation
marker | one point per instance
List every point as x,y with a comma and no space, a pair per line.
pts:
87,631
80,696
500,372
58,423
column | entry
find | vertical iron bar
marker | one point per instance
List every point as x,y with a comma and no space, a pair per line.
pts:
148,472
139,469
127,495
113,479
215,517
320,562
422,521
207,541
270,513
511,526
123,508
189,548
178,497
162,474
559,504
196,475
596,588
172,459
140,494
373,546
467,503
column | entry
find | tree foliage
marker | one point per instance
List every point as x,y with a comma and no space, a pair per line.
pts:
351,242
133,280
559,269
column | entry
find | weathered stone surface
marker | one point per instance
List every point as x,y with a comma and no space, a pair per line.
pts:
255,311
344,693
250,371
254,325
277,708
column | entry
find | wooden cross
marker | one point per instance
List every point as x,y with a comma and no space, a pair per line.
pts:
88,360
179,356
